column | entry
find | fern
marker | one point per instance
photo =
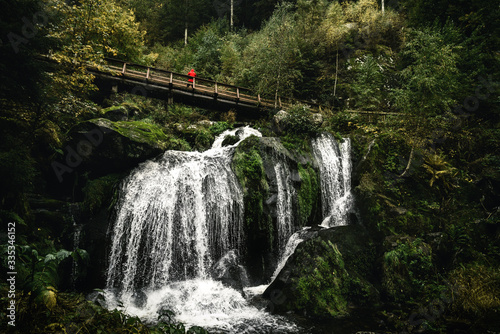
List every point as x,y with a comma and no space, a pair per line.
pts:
43,272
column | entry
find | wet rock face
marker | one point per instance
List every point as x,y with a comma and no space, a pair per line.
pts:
230,272
271,175
101,146
328,275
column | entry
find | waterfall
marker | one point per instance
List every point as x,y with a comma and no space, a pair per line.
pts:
335,172
77,232
284,205
176,216
179,219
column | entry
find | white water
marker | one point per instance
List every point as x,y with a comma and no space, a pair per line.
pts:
206,303
284,208
177,217
290,247
335,172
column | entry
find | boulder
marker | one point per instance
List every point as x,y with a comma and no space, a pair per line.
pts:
262,165
317,119
280,121
230,272
116,113
101,146
328,275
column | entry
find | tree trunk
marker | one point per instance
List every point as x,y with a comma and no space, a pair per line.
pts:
336,73
276,94
186,10
232,12
383,6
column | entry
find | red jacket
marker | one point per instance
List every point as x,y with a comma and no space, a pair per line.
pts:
191,74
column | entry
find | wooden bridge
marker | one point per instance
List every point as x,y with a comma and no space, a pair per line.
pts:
118,75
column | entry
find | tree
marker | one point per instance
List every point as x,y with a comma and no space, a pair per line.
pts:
180,18
270,61
87,32
429,84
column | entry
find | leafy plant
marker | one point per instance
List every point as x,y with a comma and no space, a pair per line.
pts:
42,271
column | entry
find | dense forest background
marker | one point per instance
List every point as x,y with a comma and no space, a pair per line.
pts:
434,169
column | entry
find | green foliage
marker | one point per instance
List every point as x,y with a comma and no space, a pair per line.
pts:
407,268
88,32
321,289
269,61
208,43
219,127
429,76
249,169
299,122
308,194
100,192
360,24
38,275
372,76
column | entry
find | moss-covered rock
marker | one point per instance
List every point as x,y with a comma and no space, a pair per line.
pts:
407,265
115,113
309,195
327,275
254,163
101,146
249,168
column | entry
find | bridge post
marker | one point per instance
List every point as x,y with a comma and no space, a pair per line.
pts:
170,99
124,69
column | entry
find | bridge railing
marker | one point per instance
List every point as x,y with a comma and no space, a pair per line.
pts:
202,86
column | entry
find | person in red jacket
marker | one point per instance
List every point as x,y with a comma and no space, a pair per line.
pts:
192,74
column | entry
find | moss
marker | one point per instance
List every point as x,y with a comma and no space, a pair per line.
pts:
321,289
407,268
197,137
149,133
100,192
308,194
219,127
230,140
249,169
138,131
113,108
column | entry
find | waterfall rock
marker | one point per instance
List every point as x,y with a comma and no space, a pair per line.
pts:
333,261
102,146
229,271
281,195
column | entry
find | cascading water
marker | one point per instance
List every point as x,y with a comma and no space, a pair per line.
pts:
335,172
284,205
334,161
177,217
